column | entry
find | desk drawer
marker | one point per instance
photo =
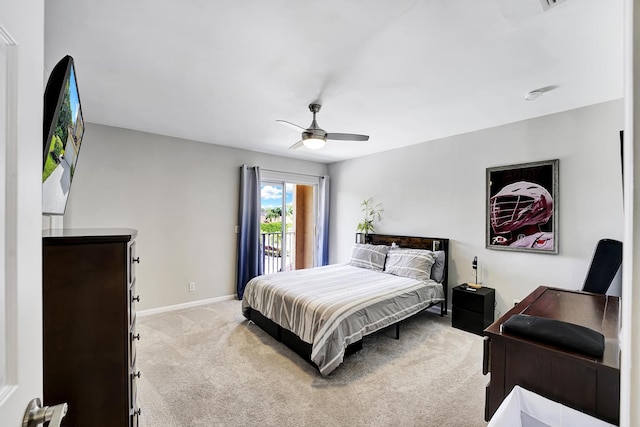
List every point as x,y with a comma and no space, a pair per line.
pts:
486,355
487,394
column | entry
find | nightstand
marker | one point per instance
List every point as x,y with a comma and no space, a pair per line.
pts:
472,309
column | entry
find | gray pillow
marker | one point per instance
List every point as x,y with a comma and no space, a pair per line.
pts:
437,271
412,263
368,256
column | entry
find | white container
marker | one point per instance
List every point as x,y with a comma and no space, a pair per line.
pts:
522,408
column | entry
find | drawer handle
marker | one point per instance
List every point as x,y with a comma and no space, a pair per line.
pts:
136,375
137,259
136,337
136,298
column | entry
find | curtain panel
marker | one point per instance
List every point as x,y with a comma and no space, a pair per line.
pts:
322,252
249,258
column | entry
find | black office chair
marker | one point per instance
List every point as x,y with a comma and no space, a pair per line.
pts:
606,261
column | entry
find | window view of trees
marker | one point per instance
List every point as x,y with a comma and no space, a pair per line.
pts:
271,225
277,225
53,159
273,215
60,135
64,119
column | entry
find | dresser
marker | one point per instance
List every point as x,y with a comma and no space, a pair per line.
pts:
585,383
472,309
89,325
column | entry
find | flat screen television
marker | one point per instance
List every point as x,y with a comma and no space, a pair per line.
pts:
63,128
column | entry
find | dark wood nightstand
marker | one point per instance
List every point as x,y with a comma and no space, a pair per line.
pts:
472,309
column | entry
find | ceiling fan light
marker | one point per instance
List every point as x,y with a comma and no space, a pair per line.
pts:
314,143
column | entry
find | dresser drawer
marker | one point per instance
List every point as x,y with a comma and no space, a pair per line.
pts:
133,422
133,299
133,260
133,384
134,412
134,336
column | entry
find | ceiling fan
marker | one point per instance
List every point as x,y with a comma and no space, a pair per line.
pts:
314,137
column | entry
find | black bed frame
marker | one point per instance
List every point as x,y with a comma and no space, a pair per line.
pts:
430,243
303,349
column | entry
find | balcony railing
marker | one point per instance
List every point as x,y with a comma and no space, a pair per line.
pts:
273,258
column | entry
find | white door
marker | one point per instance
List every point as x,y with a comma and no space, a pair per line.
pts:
20,283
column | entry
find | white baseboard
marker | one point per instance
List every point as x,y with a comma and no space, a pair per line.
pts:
167,308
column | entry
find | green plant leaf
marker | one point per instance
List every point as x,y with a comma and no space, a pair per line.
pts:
372,214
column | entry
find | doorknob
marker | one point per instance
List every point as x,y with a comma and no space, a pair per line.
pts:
36,414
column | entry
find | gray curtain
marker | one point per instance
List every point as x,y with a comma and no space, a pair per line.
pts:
249,257
323,223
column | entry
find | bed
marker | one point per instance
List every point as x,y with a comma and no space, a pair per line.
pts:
324,313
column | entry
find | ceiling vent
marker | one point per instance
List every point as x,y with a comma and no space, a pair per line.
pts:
550,4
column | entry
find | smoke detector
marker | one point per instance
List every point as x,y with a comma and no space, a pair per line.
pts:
549,4
533,95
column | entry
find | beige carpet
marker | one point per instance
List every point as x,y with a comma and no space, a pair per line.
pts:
208,366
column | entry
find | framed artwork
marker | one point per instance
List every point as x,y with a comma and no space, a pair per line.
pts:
522,207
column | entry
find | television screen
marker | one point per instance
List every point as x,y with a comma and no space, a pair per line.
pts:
63,128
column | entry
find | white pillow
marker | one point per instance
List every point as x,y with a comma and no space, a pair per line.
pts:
437,271
412,263
368,256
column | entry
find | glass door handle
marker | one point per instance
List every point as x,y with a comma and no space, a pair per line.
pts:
36,414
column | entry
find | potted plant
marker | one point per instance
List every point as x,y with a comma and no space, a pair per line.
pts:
372,214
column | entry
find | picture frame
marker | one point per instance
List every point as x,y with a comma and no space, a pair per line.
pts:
522,207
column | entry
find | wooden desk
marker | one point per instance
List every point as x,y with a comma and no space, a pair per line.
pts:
585,383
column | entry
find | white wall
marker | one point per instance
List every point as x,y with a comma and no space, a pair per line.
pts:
181,196
437,188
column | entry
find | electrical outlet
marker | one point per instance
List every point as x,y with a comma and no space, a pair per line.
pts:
192,286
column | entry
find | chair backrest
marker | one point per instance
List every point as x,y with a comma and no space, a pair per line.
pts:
606,261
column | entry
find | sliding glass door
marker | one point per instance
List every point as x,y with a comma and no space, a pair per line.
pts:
288,222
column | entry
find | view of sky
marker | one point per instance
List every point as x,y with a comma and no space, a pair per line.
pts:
271,195
73,95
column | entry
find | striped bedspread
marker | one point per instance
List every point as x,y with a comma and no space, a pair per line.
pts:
333,306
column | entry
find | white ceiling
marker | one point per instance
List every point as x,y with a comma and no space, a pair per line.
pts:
402,71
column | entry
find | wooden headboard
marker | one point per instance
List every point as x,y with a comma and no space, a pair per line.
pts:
431,243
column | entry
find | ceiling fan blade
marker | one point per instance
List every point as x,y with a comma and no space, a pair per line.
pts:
291,125
347,137
297,144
